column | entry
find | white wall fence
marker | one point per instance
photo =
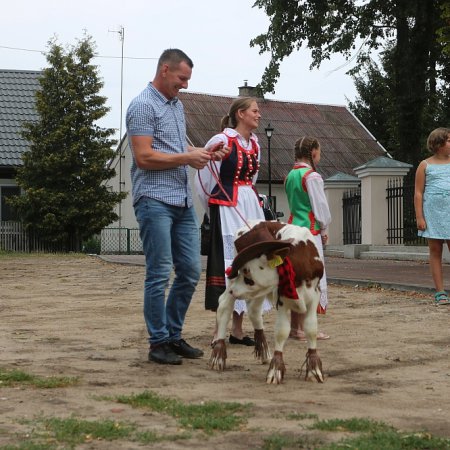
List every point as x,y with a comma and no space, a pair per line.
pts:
14,238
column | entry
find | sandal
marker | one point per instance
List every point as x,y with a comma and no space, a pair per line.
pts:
441,298
300,336
321,336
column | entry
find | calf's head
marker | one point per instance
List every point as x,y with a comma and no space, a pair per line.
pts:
257,277
254,243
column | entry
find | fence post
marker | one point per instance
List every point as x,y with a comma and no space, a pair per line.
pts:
374,176
335,187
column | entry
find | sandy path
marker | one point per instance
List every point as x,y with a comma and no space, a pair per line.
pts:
388,358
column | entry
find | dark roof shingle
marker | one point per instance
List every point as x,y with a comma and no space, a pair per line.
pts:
17,105
345,142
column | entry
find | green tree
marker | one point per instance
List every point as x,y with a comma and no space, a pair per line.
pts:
409,27
372,105
444,30
376,108
65,199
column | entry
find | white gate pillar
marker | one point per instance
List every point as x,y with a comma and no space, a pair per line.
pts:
335,187
374,176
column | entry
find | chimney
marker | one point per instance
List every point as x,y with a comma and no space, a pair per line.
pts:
247,91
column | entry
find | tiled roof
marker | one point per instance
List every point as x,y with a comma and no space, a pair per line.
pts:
17,99
345,142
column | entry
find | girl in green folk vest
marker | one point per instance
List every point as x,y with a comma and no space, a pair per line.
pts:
309,208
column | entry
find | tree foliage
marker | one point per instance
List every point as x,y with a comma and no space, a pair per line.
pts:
416,31
444,30
372,105
375,106
65,199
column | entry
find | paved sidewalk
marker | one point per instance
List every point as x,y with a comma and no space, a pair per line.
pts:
389,274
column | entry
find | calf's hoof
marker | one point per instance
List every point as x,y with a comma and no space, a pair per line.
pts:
277,369
313,366
218,356
262,351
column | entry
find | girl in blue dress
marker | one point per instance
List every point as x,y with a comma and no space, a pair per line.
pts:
432,205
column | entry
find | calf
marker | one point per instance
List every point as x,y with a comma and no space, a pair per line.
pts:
280,262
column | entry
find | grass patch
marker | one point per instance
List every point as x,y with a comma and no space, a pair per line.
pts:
55,433
353,425
280,442
301,416
150,437
13,378
375,435
76,431
69,433
208,416
392,440
50,433
29,446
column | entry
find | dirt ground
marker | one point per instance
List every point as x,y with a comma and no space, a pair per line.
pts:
387,359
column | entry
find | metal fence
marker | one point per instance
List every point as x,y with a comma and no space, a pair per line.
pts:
394,195
120,241
402,227
351,210
125,241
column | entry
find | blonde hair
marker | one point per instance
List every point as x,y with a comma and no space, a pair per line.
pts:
437,138
240,104
303,149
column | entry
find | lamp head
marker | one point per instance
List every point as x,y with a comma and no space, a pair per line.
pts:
269,131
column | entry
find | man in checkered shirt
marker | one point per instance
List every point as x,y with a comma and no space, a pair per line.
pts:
162,200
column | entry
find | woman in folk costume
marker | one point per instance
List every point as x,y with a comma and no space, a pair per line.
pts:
229,211
309,208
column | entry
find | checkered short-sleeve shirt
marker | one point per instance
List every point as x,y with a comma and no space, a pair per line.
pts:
151,114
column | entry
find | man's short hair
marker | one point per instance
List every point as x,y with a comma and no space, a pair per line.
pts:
173,57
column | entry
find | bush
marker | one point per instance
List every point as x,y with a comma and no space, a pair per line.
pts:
92,246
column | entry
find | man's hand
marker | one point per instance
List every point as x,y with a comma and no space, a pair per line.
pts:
199,157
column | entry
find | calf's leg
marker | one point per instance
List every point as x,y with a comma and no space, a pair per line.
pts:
313,363
255,314
218,356
277,369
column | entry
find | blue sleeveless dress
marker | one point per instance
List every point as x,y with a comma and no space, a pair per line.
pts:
436,201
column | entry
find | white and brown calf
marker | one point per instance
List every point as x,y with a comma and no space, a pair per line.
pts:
257,280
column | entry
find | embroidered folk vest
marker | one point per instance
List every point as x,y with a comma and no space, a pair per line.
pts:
298,199
237,168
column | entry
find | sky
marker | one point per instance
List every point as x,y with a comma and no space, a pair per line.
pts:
215,34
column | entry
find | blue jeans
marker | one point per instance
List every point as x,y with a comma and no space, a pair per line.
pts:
170,238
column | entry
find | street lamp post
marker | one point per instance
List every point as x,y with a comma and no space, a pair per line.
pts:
269,132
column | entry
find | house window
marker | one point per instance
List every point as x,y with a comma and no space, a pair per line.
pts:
7,212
